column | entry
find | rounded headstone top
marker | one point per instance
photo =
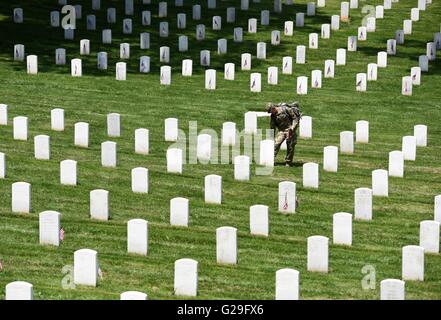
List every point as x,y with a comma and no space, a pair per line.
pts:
49,213
86,251
343,214
133,295
99,191
21,183
226,229
20,284
363,191
287,271
137,221
186,261
413,248
318,238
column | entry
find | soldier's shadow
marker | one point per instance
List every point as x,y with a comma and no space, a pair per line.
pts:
295,164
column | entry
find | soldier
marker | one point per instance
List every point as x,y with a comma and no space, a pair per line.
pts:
285,117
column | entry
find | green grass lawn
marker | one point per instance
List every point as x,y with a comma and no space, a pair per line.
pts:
143,103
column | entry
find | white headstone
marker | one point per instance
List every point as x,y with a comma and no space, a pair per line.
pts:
229,71
231,14
183,43
392,289
413,263
352,43
229,134
415,14
407,26
179,212
287,65
275,37
144,41
78,11
42,147
217,23
18,15
124,51
226,245
380,183
372,72
49,222
140,180
422,5
127,26
102,60
85,267
68,172
121,71
211,4
19,52
142,141
2,165
259,224
186,278
431,51
363,204
261,51
264,17
164,54
266,154
255,82
341,57
222,46
396,164
20,127
318,254
379,12
250,122
238,34
415,74
302,85
362,131
310,9
371,24
69,34
210,79
313,41
347,142
361,82
91,22
420,133
273,75
429,236
335,22
133,295
181,21
32,64
165,75
321,3
287,284
311,175
287,197
174,160
362,33
326,31
82,134
382,59
187,67
204,146
108,154
409,147
246,61
113,125
60,56
205,58
21,197
171,129
330,158
76,68
252,25
423,62
278,6
353,4
342,228
163,29
111,15
289,28
137,236
305,127
344,11
3,114
162,9
437,208
300,19
329,68
96,5
55,19
19,290
196,12
99,204
399,36
213,189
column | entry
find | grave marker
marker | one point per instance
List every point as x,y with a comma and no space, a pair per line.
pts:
19,290
429,236
179,212
226,245
380,183
20,127
311,175
174,160
259,220
255,82
342,228
347,142
81,134
409,145
99,204
85,267
32,64
330,158
396,164
392,289
287,197
420,133
21,197
363,204
318,254
137,236
42,147
186,277
49,228
362,131
68,172
165,75
213,189
140,180
287,283
413,263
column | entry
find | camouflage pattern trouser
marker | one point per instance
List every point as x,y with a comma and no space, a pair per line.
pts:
290,144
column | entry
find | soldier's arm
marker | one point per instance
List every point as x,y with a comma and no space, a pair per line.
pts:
273,123
295,121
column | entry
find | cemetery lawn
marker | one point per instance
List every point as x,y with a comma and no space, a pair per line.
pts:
143,103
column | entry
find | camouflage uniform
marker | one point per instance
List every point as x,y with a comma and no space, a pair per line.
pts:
286,121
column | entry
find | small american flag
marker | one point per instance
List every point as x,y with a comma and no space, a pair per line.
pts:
285,205
100,273
62,234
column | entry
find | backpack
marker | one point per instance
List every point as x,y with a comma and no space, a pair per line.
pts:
294,106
